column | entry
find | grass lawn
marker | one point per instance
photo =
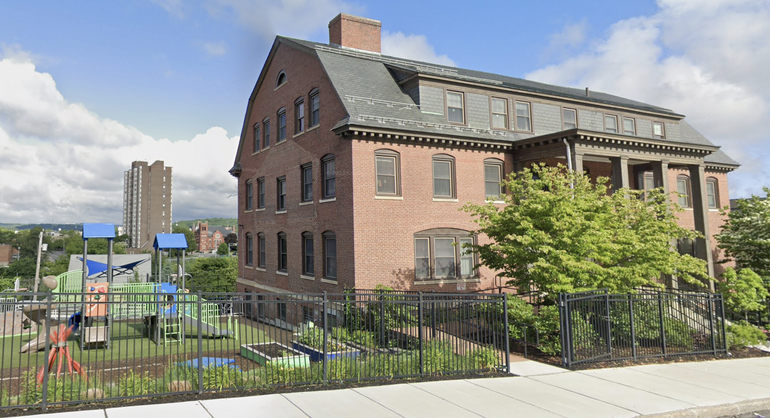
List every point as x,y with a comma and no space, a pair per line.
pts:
130,342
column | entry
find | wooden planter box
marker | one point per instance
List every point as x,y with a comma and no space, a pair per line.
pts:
275,354
317,355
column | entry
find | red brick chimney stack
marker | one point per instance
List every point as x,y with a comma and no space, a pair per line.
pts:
355,32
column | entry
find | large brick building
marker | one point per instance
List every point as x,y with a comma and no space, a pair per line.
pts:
208,238
353,166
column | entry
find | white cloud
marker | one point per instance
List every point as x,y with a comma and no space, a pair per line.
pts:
705,59
571,36
414,47
60,162
214,49
293,18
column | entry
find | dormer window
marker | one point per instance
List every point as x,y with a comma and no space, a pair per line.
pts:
281,80
454,107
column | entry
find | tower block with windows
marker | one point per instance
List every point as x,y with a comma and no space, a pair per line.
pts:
353,166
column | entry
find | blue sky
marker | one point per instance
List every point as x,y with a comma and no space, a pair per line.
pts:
88,86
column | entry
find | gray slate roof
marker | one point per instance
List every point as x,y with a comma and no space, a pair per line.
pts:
367,85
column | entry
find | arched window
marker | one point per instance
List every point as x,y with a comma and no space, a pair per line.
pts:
280,80
387,166
328,177
308,267
683,188
283,260
712,192
281,125
266,133
443,254
443,176
299,115
330,255
315,108
493,176
249,249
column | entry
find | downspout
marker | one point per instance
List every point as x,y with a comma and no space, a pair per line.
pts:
569,160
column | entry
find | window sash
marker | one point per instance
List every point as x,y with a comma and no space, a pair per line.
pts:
629,126
499,114
261,193
329,178
282,256
684,192
442,178
466,258
261,243
282,127
308,268
570,118
422,258
523,116
657,130
455,107
330,249
249,195
444,258
300,113
386,175
281,189
711,194
492,179
266,132
315,110
307,183
257,138
611,123
249,250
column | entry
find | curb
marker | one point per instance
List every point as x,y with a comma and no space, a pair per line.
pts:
716,411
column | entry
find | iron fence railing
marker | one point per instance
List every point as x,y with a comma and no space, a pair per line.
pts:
95,346
598,326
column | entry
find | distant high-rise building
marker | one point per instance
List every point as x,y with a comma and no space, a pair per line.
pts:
146,203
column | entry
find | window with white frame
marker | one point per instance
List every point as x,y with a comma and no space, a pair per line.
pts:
443,176
712,192
683,188
629,126
499,113
387,173
523,117
569,118
658,130
611,123
444,254
493,176
455,107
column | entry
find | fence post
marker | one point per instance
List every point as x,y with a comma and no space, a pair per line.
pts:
608,319
420,335
631,320
662,324
724,326
382,318
564,331
47,349
711,323
325,360
507,337
199,308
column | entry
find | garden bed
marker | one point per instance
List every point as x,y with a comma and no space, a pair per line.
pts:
276,354
335,350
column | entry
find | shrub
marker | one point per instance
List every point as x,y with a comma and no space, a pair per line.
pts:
743,334
743,291
484,358
135,384
222,377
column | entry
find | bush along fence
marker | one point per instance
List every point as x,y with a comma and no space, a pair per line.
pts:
124,343
598,326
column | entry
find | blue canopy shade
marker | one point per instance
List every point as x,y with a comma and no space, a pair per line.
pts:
170,242
98,231
97,269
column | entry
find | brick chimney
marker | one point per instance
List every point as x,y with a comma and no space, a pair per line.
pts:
355,32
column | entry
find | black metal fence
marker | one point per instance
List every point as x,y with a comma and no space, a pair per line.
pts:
141,344
598,326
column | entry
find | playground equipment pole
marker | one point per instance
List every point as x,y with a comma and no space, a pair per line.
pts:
37,268
83,290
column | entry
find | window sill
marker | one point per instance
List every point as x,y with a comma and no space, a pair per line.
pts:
265,148
302,276
500,202
248,267
259,269
389,197
713,210
279,212
297,134
425,282
283,141
312,128
282,273
279,86
329,281
254,153
259,210
333,199
248,211
306,203
445,199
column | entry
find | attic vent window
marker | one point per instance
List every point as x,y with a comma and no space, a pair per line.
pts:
281,79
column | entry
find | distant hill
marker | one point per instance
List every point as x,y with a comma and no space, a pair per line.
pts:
212,221
50,227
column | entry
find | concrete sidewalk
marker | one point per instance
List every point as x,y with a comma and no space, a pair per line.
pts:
704,389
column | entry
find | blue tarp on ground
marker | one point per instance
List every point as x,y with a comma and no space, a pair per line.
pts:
211,362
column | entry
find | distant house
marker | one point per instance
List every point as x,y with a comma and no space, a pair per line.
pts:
208,237
7,254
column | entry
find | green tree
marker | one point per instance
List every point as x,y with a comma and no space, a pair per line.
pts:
189,236
745,236
559,232
743,291
213,274
223,249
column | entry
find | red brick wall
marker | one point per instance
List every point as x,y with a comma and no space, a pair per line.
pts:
355,32
304,73
385,229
